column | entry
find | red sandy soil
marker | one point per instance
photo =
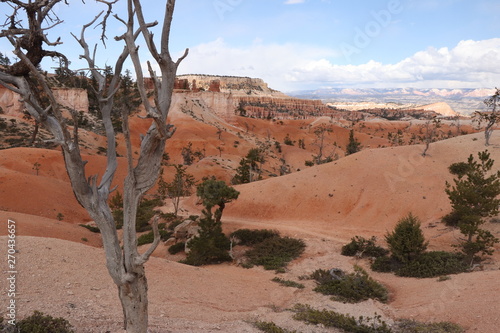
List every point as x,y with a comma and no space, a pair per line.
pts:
61,265
363,194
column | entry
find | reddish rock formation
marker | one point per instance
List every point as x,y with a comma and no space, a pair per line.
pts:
181,84
214,86
194,88
282,108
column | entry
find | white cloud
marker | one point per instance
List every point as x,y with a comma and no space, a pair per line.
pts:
271,62
469,64
286,67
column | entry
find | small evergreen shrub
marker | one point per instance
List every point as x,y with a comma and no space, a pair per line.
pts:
353,288
452,219
363,247
176,248
385,264
211,246
407,241
91,228
426,265
412,326
145,213
118,217
275,252
288,283
269,327
433,264
252,237
338,320
41,323
149,237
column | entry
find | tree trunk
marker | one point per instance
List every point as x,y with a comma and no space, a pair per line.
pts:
134,299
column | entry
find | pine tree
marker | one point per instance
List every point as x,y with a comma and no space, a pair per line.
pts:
353,146
179,187
211,245
474,198
407,241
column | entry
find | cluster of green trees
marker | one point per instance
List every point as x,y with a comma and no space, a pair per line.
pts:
473,196
250,168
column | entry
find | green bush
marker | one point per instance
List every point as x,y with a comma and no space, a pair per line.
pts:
252,237
353,288
269,327
118,217
91,228
433,264
176,248
288,283
338,320
275,252
41,323
211,246
149,237
407,241
145,213
385,264
452,219
363,247
426,265
412,326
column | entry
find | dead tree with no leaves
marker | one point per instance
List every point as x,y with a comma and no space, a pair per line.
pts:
491,118
124,263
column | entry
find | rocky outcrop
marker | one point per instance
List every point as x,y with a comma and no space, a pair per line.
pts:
10,103
73,98
441,108
238,86
282,108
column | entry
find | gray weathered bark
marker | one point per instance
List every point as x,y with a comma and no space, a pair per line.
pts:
124,263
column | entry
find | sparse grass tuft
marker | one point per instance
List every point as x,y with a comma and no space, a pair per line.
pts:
337,320
38,322
360,246
288,283
412,326
270,327
91,228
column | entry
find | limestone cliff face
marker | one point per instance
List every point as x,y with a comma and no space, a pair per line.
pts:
70,97
230,84
9,102
228,95
206,103
282,107
74,98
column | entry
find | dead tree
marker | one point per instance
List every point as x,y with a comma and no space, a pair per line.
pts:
321,132
491,118
123,261
431,127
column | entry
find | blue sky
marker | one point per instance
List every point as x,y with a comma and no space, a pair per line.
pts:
308,44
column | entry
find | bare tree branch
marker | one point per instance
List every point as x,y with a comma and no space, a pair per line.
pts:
156,241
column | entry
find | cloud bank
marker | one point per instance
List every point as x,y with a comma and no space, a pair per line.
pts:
470,64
